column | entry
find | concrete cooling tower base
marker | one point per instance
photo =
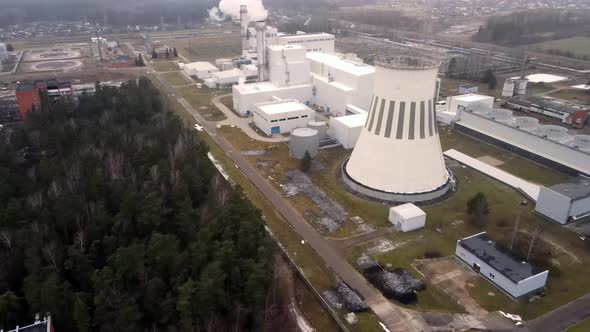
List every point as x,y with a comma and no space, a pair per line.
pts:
391,197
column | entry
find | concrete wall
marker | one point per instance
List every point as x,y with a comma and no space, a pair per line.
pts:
347,136
543,147
406,225
553,205
513,289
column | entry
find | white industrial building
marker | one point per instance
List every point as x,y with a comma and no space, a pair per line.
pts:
313,42
515,277
340,80
3,53
347,129
200,69
227,78
246,96
549,145
565,202
398,155
448,112
282,116
407,217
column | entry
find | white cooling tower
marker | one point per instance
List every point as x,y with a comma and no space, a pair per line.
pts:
398,155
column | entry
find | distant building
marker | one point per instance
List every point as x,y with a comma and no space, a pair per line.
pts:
468,88
515,277
28,98
122,61
44,325
575,115
565,202
9,109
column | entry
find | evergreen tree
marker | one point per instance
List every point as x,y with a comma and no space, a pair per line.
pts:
306,161
175,53
154,54
478,208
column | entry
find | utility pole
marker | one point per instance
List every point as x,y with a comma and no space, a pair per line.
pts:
98,42
515,231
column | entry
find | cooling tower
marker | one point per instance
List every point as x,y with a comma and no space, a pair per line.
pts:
398,155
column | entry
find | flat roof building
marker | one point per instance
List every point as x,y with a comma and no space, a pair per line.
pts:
282,116
565,202
347,129
499,266
407,217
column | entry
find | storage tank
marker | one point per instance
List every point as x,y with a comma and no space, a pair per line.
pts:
552,132
582,142
520,86
398,156
304,139
501,115
526,123
508,89
321,127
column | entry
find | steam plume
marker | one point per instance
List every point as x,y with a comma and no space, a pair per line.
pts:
231,8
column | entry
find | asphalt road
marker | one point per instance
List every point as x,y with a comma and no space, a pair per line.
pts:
560,319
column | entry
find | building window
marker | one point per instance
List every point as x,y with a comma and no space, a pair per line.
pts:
273,120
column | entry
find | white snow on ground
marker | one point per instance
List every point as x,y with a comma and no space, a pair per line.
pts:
581,87
546,78
302,322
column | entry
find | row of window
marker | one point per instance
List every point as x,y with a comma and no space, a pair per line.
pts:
291,118
308,41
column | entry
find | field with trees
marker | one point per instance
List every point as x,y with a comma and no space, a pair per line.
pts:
575,47
114,219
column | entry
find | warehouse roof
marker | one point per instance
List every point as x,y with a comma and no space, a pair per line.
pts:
351,121
551,104
337,62
578,188
232,73
264,87
501,260
472,97
200,65
282,106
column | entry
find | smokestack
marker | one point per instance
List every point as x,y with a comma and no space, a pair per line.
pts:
244,24
261,49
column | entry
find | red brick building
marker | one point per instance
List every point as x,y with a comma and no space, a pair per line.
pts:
27,98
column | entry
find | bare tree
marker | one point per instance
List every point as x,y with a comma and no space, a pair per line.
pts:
515,231
534,238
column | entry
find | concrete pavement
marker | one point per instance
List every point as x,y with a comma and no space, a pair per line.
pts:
561,318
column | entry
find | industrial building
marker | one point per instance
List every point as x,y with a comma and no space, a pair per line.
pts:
549,145
224,79
3,52
447,112
574,115
282,116
200,69
513,276
468,88
407,217
347,129
28,98
565,202
398,155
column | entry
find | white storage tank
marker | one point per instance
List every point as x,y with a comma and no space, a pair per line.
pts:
501,115
520,86
526,123
304,139
508,89
582,142
552,132
321,127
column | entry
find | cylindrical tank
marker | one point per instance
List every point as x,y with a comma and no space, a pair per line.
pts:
582,142
520,87
304,139
321,127
398,150
552,132
526,123
501,115
508,89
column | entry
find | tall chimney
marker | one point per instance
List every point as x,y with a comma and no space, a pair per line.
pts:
244,24
261,50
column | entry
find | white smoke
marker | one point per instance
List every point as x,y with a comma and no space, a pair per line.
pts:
231,8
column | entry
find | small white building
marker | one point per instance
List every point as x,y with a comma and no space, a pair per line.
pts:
347,129
228,77
450,110
565,202
200,69
246,96
407,217
515,277
282,116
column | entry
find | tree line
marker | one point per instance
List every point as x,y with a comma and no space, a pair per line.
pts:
112,218
533,26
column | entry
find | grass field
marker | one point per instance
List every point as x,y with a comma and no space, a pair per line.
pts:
208,47
576,96
582,327
175,78
164,66
578,46
200,99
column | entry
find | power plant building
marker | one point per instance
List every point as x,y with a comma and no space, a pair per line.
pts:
200,69
347,129
281,116
398,155
565,202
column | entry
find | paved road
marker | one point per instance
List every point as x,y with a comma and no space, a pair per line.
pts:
560,319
